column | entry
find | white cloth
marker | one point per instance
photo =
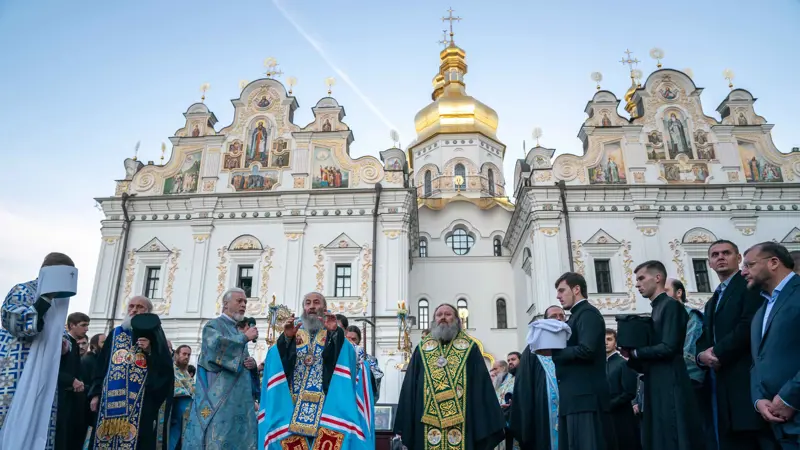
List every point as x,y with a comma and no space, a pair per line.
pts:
548,334
28,419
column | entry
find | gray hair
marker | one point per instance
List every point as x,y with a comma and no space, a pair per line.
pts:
145,300
228,295
502,363
455,310
324,301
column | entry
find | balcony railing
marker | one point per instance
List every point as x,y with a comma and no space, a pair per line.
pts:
470,183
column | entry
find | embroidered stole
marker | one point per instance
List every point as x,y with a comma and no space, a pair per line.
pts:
123,390
445,389
552,398
307,393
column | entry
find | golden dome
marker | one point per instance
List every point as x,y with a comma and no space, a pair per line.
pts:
630,105
452,110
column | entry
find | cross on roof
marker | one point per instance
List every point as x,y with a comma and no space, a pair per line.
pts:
444,40
451,19
630,62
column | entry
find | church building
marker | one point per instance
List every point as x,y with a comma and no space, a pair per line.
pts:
281,209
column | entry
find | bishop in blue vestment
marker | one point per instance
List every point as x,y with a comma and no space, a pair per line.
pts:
223,411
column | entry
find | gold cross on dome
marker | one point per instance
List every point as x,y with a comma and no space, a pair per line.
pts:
451,19
630,62
444,40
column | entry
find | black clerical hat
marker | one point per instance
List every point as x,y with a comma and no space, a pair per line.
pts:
145,325
634,331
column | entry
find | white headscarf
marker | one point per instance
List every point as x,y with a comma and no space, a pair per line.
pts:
27,424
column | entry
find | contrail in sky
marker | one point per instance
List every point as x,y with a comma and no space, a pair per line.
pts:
333,66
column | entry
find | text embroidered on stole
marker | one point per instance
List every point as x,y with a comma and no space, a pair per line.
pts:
445,391
307,384
123,388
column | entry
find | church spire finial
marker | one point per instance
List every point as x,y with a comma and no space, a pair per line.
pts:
204,88
451,19
444,40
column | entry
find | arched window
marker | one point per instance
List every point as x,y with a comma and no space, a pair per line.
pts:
462,306
502,318
422,312
423,248
491,182
459,170
428,189
460,241
498,247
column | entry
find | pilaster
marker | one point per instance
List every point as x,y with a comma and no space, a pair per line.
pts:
201,237
294,231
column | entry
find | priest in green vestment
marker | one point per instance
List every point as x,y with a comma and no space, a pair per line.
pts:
447,401
223,412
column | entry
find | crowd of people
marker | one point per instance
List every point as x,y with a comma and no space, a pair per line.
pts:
727,377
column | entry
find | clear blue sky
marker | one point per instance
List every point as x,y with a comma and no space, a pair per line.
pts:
82,82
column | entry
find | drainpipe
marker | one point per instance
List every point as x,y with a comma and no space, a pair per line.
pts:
125,234
378,189
562,187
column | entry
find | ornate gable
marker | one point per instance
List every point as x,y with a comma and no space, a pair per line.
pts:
793,237
343,241
153,246
602,238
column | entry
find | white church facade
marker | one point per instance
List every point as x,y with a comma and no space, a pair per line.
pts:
282,210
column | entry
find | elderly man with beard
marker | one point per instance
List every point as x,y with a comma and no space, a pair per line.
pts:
447,399
132,378
222,413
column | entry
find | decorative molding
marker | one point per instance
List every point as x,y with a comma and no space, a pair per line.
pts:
394,177
745,225
246,242
366,270
392,234
614,303
122,187
200,237
259,308
293,236
209,185
577,257
549,231
649,231
677,258
747,231
626,267
162,308
638,177
129,271
733,177
299,182
698,235
543,175
222,274
319,264
110,240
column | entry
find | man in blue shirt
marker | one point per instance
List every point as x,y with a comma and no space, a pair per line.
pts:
775,338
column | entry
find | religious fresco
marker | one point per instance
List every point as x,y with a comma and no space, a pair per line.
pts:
756,168
705,149
611,169
233,157
254,180
685,172
185,181
606,122
326,171
262,102
257,149
394,164
279,157
677,134
741,119
655,146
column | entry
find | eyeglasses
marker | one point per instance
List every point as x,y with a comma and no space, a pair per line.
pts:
749,264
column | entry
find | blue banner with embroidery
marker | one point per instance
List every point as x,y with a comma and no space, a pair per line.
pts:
307,383
276,404
123,388
365,399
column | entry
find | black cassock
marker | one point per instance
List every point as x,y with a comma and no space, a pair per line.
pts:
529,422
485,426
671,416
622,383
159,385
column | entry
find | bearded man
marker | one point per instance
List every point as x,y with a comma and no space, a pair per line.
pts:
222,413
457,411
132,378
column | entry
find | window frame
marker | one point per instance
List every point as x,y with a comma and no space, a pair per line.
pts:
490,176
423,247
497,246
468,239
424,318
239,278
427,184
463,173
501,304
346,291
701,273
606,272
152,292
465,306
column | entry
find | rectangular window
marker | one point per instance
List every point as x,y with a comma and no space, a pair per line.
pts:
343,279
152,282
602,273
244,280
700,267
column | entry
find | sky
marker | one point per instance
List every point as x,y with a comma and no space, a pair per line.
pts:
82,82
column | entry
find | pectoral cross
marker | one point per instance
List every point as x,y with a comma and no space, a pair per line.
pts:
451,19
72,274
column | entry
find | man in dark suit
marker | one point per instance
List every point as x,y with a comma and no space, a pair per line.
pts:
724,349
70,417
774,340
622,387
583,421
